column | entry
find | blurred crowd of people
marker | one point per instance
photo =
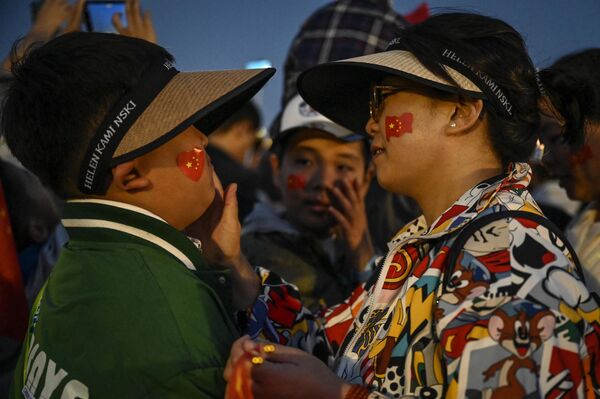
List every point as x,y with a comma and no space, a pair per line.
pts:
460,265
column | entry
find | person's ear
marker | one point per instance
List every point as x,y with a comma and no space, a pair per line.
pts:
466,115
127,177
275,168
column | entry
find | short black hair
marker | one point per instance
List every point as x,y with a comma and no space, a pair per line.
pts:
60,93
249,112
572,84
495,48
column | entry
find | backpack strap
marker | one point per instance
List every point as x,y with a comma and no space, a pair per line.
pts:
481,221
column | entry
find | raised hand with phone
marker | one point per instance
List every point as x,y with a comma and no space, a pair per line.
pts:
123,17
51,17
139,24
57,17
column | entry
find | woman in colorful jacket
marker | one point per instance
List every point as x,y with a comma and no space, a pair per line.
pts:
479,297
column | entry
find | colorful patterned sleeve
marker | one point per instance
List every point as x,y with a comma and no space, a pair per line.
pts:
515,320
278,316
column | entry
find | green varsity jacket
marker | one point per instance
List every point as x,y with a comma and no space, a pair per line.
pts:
130,310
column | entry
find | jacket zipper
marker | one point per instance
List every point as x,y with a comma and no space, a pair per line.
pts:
358,332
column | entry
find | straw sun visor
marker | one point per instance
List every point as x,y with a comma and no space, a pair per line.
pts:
205,99
341,90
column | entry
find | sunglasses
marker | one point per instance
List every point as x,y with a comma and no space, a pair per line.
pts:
380,92
378,95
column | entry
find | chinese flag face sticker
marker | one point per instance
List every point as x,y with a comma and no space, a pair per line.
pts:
396,126
191,163
296,182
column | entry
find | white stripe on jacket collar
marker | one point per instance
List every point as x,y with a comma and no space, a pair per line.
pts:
105,224
121,205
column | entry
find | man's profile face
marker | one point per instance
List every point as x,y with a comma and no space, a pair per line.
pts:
313,164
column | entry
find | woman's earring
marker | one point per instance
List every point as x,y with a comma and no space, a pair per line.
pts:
453,124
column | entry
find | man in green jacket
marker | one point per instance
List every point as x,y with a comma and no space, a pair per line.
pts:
133,308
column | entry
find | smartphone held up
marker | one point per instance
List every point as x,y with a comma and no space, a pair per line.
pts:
97,15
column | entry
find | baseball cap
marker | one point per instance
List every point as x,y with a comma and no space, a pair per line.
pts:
298,114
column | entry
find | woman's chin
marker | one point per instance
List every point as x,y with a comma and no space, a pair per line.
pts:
388,183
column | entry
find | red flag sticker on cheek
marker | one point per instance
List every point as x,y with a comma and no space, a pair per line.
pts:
581,156
396,126
296,182
191,163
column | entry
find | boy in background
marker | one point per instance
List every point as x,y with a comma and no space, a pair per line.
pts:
320,241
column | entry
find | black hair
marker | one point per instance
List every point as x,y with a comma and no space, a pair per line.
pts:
572,84
249,112
493,47
59,95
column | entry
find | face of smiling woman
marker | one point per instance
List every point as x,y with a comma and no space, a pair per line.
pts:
407,138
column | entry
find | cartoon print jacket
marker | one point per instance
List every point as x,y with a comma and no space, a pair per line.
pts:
510,318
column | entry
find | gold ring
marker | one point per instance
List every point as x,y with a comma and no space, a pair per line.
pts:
269,348
257,360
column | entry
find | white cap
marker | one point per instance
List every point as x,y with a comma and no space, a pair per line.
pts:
298,114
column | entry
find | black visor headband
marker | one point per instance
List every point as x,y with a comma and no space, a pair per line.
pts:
97,160
493,92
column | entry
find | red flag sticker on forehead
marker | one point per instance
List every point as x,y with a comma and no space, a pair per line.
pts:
396,126
191,163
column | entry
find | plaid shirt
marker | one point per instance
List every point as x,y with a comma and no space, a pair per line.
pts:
339,30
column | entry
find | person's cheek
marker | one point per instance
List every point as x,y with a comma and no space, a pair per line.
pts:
396,126
581,156
296,182
191,163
